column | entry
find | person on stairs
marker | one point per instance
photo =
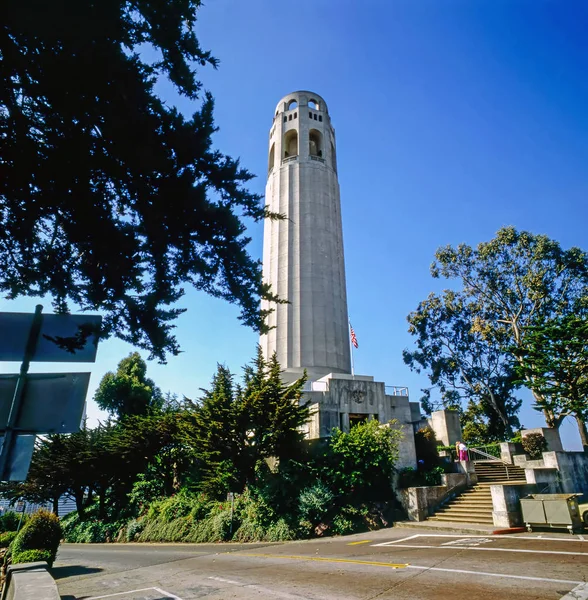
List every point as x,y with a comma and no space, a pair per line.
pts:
463,451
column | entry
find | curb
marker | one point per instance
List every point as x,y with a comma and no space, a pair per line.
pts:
509,530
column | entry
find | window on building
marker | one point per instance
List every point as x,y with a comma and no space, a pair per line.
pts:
320,117
291,143
315,143
356,419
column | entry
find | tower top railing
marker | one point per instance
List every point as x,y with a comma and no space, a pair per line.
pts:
396,390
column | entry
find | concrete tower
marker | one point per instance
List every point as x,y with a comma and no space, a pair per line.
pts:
303,254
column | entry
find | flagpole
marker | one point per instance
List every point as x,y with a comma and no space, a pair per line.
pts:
351,350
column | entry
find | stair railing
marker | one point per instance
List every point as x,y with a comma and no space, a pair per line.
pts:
486,456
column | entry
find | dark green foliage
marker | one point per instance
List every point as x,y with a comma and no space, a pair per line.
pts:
6,538
237,428
10,520
409,477
555,358
512,284
534,444
129,391
42,532
359,464
91,529
463,364
110,198
316,503
30,556
427,452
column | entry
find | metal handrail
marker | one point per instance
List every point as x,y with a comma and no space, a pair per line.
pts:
490,457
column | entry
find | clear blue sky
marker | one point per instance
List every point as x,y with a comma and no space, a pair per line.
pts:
453,119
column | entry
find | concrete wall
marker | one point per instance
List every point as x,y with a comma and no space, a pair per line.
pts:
344,395
421,502
573,470
445,424
551,436
506,506
30,581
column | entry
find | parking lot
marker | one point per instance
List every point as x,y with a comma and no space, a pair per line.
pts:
387,564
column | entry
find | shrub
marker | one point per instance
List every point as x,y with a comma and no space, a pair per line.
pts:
29,556
426,447
6,538
409,477
360,463
534,444
315,502
10,520
42,532
179,505
133,529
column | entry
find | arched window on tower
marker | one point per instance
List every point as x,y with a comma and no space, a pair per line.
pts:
292,104
272,158
291,143
313,104
315,143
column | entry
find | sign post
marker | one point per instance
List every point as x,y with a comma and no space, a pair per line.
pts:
41,403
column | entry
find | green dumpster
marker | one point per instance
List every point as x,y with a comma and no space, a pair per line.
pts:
552,510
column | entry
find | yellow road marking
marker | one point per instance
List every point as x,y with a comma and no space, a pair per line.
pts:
357,543
372,563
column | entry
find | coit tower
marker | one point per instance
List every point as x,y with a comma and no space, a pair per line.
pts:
303,253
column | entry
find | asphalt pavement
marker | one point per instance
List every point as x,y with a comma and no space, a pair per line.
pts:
392,563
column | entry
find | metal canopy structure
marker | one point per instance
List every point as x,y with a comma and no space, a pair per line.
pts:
32,404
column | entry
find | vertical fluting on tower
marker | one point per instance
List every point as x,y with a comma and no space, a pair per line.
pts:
303,254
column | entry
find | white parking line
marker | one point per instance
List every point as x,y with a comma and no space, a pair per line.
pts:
172,596
158,590
485,549
501,575
492,537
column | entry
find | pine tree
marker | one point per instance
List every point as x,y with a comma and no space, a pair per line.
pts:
216,437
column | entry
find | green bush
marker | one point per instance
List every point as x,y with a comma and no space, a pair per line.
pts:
42,532
409,477
426,447
534,444
6,538
29,556
10,520
315,502
133,529
359,464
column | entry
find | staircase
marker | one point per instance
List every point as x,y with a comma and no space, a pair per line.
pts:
474,505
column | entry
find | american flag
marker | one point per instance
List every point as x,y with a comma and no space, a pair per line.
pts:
353,337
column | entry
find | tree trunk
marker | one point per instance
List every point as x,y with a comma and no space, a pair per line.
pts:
102,503
583,431
79,498
56,506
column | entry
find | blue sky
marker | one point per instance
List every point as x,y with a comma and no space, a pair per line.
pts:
453,119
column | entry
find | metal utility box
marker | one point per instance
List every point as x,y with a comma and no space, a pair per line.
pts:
552,510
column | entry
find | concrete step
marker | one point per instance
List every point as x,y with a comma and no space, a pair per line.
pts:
481,521
464,512
473,502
